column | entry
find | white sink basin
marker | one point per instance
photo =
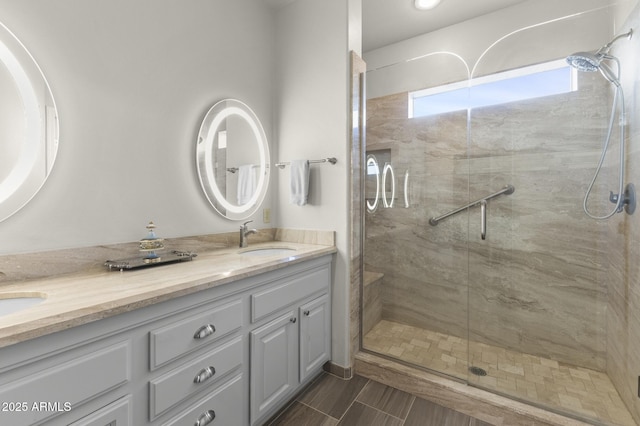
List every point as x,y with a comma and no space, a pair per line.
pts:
12,302
268,251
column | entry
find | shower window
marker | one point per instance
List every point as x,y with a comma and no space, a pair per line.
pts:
549,78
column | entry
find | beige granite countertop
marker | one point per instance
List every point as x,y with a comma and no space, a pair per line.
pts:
80,298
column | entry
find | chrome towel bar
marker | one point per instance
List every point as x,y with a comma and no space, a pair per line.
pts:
507,190
332,160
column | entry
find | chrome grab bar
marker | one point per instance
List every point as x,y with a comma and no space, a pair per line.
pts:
507,190
483,219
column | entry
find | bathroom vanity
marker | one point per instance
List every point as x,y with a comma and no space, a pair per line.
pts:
225,339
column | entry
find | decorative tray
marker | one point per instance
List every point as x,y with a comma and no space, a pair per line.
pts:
141,262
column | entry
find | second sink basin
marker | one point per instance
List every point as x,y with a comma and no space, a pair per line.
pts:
268,251
14,302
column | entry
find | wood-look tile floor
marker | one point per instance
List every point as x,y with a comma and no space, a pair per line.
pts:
331,401
567,388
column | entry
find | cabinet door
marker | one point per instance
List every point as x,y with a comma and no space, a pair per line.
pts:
274,363
315,335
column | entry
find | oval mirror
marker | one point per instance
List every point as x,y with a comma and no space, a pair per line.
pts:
28,125
233,159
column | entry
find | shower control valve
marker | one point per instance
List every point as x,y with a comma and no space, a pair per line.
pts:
614,199
628,203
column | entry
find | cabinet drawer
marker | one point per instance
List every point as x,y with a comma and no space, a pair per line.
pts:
268,301
224,406
181,337
178,384
67,385
117,413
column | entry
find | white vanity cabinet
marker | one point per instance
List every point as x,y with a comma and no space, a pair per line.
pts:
292,340
229,355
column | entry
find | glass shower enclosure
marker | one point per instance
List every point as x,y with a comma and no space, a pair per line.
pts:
479,262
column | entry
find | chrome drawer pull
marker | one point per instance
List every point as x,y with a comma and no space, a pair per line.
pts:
204,331
204,375
206,418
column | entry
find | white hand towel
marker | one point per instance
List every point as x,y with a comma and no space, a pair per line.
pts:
246,183
299,178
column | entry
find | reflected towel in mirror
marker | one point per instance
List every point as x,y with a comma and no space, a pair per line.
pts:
299,179
246,183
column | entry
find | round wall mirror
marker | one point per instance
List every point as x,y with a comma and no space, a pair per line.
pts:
28,125
233,159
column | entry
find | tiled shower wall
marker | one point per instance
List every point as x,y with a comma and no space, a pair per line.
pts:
623,248
536,284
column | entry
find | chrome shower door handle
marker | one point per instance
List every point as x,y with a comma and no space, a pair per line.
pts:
483,219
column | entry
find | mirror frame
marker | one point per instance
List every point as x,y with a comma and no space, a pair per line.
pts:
41,138
206,163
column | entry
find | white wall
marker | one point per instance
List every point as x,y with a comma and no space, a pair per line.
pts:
312,123
623,9
132,80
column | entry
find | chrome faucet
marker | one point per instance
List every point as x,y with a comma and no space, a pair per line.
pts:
244,232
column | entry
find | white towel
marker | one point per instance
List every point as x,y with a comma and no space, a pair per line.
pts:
246,183
299,179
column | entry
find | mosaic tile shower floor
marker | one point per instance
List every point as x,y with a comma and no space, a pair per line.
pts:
584,392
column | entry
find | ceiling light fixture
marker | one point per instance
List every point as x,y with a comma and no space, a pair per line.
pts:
426,4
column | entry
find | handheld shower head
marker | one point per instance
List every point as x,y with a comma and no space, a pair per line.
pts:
592,62
584,61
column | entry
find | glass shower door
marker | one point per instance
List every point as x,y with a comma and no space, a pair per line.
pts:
415,276
537,292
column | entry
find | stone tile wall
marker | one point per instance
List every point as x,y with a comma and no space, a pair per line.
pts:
623,249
